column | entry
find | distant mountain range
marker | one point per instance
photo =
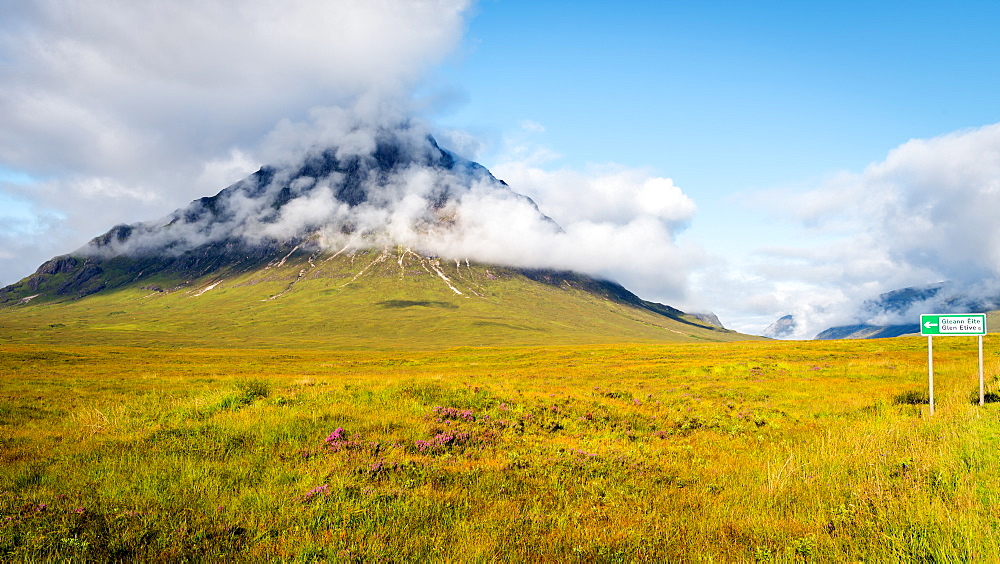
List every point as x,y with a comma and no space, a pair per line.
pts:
342,246
896,313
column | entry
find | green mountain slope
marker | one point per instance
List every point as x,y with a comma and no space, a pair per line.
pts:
387,298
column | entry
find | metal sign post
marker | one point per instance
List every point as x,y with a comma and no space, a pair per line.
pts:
930,371
982,397
952,325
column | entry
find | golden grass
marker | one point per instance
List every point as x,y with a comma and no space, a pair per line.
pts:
747,451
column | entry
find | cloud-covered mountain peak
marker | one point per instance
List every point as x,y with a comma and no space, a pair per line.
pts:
362,183
379,186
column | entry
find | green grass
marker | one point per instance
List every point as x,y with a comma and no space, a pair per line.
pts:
746,451
346,302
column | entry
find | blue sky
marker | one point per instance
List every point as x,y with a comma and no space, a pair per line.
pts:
719,94
726,97
729,98
804,133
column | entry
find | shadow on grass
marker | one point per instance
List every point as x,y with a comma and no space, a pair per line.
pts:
988,397
402,304
913,397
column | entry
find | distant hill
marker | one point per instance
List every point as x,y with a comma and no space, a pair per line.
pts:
868,331
309,253
895,313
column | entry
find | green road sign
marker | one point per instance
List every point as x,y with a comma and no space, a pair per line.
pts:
953,324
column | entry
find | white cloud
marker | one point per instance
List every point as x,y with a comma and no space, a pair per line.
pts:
153,103
108,189
532,126
609,194
931,205
924,214
616,222
223,171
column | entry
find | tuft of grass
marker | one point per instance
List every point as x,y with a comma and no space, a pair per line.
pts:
914,397
253,389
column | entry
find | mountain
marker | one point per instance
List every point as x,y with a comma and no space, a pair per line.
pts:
897,312
347,247
783,328
865,331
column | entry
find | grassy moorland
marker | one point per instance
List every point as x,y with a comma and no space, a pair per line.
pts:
743,451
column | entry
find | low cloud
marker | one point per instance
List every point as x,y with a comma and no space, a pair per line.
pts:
925,214
618,223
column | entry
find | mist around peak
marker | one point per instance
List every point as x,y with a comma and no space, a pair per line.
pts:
382,186
372,184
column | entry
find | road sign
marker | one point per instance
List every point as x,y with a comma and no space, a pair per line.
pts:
953,324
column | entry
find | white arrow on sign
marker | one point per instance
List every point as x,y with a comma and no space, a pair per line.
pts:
929,325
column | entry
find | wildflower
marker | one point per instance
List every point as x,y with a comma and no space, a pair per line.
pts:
318,490
445,414
338,441
337,436
442,441
79,511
